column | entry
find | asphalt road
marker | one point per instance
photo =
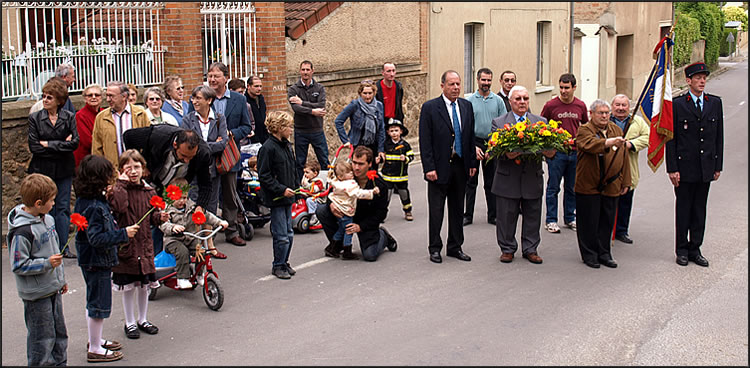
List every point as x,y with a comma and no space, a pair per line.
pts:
405,310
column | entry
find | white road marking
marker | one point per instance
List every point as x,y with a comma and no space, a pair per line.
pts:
742,103
300,267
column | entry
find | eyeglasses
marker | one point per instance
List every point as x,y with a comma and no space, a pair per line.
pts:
509,80
48,97
521,98
367,81
93,95
154,98
180,87
602,112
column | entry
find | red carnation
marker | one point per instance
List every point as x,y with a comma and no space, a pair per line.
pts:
199,218
158,202
174,192
372,174
80,221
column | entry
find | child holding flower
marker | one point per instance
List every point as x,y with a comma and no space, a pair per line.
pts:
181,218
135,273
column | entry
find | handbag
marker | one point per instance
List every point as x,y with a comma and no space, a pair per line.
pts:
229,157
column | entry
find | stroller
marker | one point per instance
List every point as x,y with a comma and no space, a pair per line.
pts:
252,213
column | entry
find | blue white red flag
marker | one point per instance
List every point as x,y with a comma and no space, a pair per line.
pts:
655,103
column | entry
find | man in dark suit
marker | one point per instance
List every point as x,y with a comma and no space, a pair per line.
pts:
234,108
695,157
446,142
518,187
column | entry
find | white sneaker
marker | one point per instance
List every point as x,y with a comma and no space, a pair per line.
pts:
200,278
184,284
572,225
552,227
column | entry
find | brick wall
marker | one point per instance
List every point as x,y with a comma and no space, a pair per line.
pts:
269,18
181,37
589,12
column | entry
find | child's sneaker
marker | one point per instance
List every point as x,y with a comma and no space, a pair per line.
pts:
184,284
408,216
552,227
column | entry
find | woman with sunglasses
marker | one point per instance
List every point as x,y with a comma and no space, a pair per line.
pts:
175,92
85,117
52,139
367,122
153,98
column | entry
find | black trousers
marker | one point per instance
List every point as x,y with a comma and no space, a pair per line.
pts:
488,172
595,215
453,191
624,207
690,217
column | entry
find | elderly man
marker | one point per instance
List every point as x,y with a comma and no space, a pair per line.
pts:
68,73
487,106
636,139
695,158
602,175
446,141
112,122
234,108
370,214
308,100
390,93
85,118
518,188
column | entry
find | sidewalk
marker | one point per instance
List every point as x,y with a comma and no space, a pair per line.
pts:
678,79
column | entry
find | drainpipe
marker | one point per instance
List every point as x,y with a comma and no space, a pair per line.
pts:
570,48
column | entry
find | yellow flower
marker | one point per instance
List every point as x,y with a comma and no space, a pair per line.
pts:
495,135
520,126
553,124
546,133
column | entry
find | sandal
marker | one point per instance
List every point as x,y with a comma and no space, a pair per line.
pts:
108,356
218,254
110,345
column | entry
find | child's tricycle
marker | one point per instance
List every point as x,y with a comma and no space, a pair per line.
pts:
213,292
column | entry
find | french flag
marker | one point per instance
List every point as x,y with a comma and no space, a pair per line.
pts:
655,103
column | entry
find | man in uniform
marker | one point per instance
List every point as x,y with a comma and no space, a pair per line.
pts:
694,159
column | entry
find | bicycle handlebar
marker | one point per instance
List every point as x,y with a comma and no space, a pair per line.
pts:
197,235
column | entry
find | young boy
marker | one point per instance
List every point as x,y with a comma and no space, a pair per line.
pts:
311,182
37,265
278,179
181,220
395,172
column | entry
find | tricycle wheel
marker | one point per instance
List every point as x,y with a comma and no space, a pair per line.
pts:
213,293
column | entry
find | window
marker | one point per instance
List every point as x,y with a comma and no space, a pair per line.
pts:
473,41
542,52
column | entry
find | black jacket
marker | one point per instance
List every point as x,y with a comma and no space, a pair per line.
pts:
313,97
371,213
277,171
155,142
56,160
399,112
697,149
258,105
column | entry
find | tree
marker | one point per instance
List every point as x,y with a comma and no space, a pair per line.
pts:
736,13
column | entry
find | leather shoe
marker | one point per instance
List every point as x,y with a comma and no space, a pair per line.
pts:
237,241
609,263
700,261
467,221
682,260
506,258
435,257
492,221
592,264
460,255
533,258
624,239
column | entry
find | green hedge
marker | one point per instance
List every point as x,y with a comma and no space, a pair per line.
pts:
725,49
711,21
687,30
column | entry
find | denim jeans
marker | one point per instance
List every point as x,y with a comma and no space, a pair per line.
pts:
563,167
301,143
282,233
47,338
370,252
312,205
61,210
341,232
98,291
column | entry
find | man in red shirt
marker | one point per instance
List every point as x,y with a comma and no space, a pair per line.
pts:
571,112
391,94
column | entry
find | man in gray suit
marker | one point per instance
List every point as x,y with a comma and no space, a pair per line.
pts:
518,187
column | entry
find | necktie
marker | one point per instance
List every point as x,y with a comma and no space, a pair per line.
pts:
521,119
699,105
119,137
456,130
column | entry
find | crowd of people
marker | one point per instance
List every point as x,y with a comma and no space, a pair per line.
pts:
119,157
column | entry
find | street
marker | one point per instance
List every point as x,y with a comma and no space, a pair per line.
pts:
405,310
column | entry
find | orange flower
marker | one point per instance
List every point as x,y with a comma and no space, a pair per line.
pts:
520,135
199,218
174,192
80,221
507,126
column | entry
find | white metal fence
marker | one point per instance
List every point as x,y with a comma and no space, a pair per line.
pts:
104,41
228,30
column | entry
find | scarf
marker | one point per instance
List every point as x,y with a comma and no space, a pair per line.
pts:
370,110
177,106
